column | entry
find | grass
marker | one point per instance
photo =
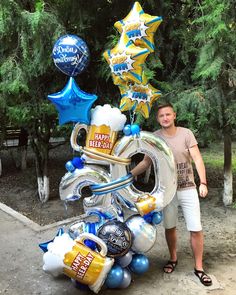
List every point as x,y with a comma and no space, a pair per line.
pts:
213,156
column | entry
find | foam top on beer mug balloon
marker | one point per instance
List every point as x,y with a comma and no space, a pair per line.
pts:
107,115
53,259
61,245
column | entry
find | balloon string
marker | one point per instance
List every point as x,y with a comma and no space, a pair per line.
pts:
132,117
73,151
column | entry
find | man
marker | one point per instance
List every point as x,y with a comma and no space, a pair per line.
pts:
185,149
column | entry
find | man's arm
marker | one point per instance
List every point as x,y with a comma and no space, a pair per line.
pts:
197,158
142,166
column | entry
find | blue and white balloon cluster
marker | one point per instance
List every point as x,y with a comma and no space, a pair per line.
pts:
134,261
132,129
71,57
127,243
75,163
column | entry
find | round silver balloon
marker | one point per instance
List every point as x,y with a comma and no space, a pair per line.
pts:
164,169
126,279
144,234
125,260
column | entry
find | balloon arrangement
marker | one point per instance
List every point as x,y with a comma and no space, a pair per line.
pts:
109,241
71,56
126,60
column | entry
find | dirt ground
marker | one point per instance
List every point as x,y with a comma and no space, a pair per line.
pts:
18,191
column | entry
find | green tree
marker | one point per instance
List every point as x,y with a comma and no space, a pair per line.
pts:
216,71
28,30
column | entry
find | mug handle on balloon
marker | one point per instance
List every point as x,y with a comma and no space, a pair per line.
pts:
74,135
88,236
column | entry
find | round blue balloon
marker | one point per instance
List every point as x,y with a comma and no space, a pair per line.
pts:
70,55
139,264
156,218
69,166
135,129
148,217
78,162
126,279
115,277
153,217
127,130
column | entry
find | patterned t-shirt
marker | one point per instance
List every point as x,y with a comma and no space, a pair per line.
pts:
180,143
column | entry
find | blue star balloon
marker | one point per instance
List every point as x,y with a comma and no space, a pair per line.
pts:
70,55
72,103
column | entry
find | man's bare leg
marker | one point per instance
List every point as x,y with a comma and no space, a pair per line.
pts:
171,239
196,241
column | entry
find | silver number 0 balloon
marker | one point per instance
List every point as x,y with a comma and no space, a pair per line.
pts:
163,164
119,179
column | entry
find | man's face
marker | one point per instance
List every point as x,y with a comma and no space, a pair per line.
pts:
166,117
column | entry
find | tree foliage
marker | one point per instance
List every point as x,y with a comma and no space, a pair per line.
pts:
193,64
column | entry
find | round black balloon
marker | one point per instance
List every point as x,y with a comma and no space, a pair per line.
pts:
117,236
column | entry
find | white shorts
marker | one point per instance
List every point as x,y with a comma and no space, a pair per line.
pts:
189,202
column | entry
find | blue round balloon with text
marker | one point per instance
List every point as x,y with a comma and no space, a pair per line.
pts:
70,55
117,237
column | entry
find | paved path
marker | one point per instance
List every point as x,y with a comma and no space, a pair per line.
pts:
21,266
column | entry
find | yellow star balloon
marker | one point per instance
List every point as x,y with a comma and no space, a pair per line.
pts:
126,61
139,27
138,98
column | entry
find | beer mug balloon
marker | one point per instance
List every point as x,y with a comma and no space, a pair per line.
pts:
102,132
77,261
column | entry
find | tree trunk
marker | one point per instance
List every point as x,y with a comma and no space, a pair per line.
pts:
41,157
43,188
2,133
228,176
22,148
23,153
